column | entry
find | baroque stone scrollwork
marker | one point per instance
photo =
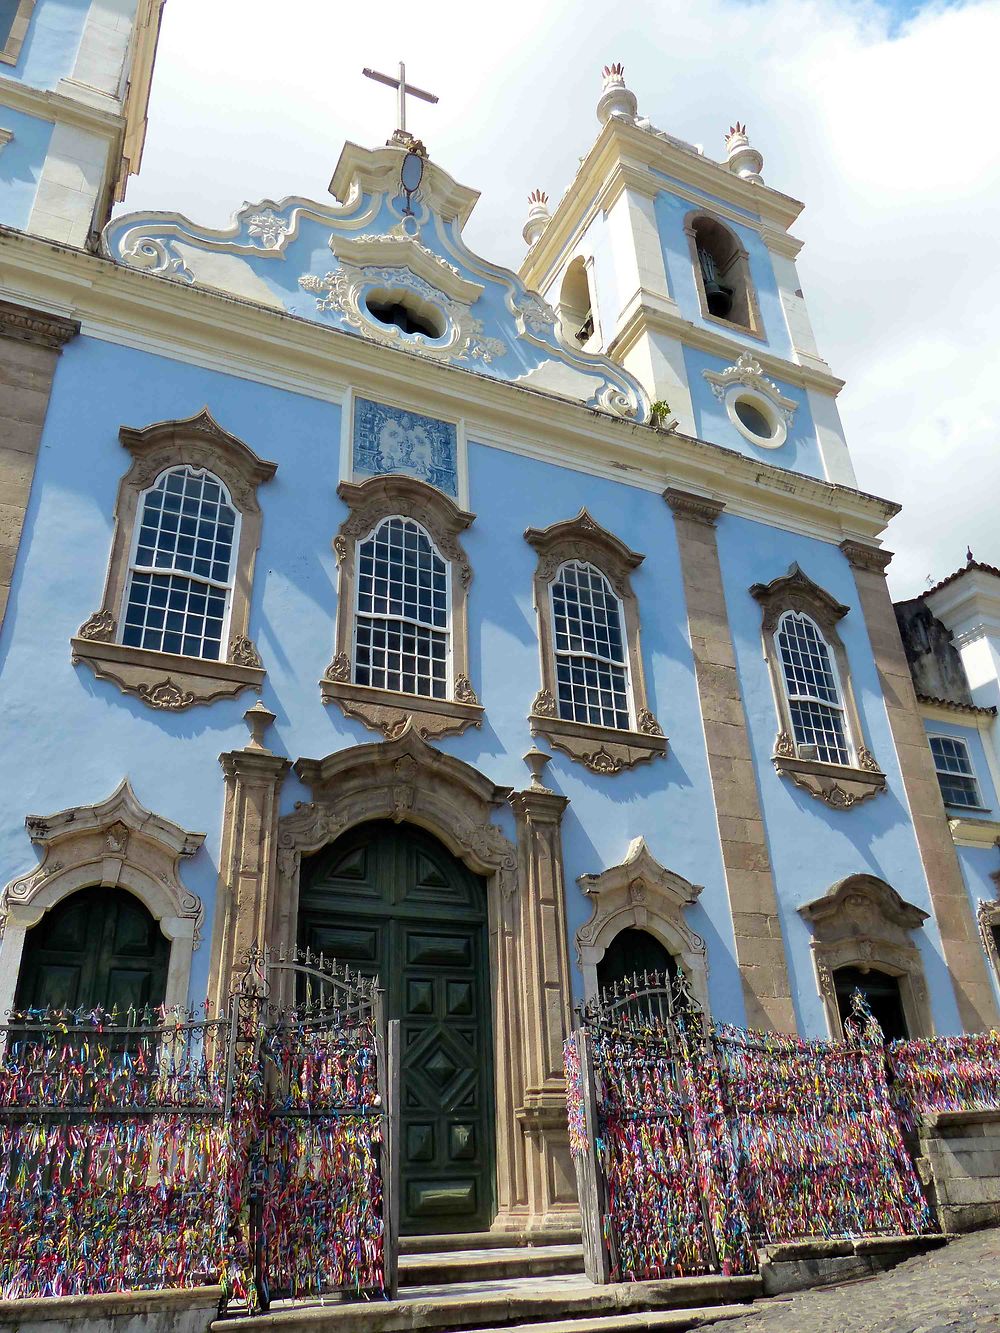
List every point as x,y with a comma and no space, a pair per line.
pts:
387,711
988,916
167,680
116,843
640,893
604,750
863,922
841,786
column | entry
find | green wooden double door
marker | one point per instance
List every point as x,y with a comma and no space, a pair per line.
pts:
390,899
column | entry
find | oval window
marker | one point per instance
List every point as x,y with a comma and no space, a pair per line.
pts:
400,310
754,419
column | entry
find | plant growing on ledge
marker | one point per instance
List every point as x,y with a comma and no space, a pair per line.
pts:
659,415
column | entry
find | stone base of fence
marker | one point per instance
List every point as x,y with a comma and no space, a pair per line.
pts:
183,1310
960,1162
796,1265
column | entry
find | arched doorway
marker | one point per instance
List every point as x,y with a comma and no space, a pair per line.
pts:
882,993
98,947
389,898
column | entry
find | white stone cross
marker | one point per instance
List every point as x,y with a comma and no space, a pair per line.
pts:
404,88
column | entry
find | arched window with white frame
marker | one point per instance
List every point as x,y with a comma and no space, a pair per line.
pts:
815,701
177,598
592,676
402,625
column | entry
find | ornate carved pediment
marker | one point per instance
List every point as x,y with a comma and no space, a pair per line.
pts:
796,591
641,893
583,538
112,842
863,904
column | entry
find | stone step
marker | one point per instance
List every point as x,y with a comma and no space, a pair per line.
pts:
640,1320
484,1240
489,1305
478,1265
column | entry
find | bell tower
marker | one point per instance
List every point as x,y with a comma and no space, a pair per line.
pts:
682,269
74,87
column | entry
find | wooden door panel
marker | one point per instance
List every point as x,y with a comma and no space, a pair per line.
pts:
422,916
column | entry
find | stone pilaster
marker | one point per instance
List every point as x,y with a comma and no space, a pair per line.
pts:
30,343
246,893
546,1009
760,948
960,939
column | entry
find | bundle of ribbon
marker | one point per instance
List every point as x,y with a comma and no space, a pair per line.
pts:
945,1074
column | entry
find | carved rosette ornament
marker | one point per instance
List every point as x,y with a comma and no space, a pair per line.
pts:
603,750
389,711
841,786
168,680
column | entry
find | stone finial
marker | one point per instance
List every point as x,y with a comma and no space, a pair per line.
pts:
536,760
258,719
616,99
743,160
538,216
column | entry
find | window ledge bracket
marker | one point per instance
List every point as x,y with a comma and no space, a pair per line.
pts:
841,786
387,712
167,680
604,750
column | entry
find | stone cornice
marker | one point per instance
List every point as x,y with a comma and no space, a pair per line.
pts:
696,508
638,153
873,559
54,106
218,332
645,318
35,326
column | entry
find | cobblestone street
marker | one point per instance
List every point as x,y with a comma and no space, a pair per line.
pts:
952,1290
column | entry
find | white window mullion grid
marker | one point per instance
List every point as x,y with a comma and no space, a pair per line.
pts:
156,595
589,695
955,772
375,625
817,714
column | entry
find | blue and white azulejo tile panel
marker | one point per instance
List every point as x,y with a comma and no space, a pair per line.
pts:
389,439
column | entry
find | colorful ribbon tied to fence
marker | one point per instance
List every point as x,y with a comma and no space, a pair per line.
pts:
946,1074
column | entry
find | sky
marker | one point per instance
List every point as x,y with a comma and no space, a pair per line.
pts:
879,116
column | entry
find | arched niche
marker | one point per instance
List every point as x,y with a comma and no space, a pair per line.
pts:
862,922
640,893
575,304
722,276
116,843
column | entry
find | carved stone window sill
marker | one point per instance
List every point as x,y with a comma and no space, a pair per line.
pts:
601,749
839,785
388,712
165,680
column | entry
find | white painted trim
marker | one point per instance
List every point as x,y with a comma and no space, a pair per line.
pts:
974,832
58,108
6,136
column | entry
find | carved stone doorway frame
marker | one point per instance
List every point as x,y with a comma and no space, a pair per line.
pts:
407,780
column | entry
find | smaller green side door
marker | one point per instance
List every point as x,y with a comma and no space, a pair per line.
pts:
391,900
99,947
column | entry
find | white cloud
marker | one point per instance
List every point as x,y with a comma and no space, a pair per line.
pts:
880,123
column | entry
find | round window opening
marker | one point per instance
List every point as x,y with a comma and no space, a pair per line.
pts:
400,310
755,418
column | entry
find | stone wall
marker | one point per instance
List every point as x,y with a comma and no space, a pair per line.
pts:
190,1310
961,1161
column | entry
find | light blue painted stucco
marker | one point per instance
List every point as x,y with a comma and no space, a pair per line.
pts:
979,865
812,846
977,753
671,210
799,453
104,734
49,50
21,165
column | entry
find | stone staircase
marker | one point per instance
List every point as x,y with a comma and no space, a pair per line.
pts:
486,1282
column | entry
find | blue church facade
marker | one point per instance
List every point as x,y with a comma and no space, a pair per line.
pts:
323,523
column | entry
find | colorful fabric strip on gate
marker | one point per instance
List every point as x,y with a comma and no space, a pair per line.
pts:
944,1074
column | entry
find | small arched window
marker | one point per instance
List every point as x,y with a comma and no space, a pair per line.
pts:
812,689
180,576
722,274
402,630
592,678
575,307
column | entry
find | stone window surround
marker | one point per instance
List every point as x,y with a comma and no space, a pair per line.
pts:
18,31
988,916
171,680
116,843
604,750
641,894
863,922
839,785
740,259
388,711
